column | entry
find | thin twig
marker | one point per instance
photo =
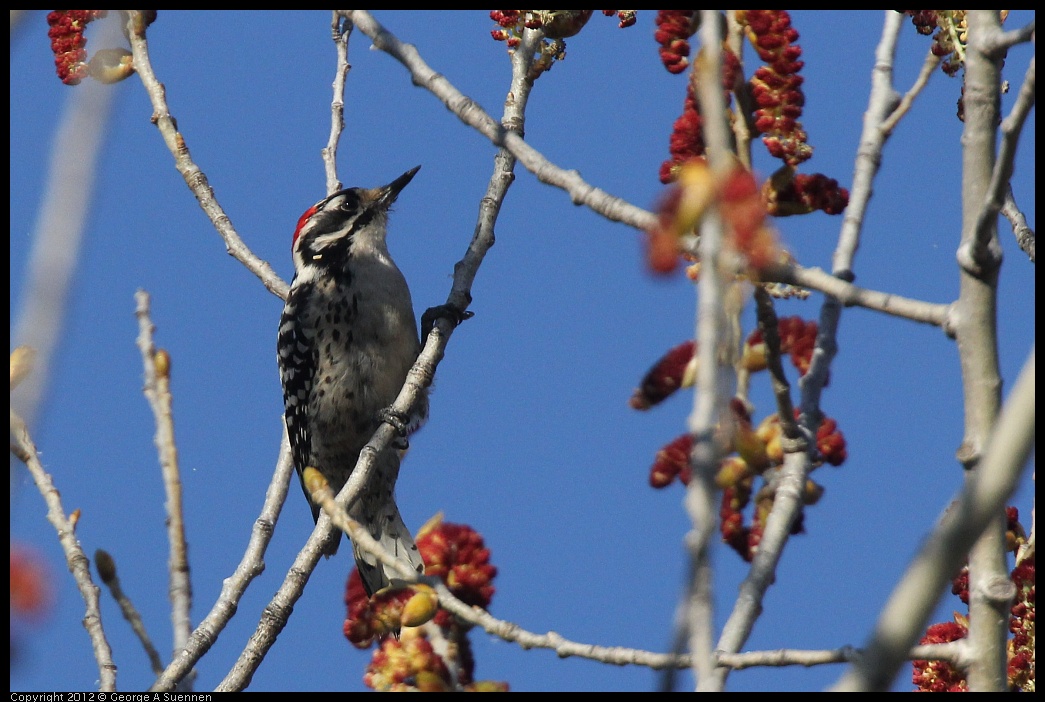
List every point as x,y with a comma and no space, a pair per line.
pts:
982,253
1001,42
157,366
106,566
194,177
24,449
469,112
849,295
1023,233
953,652
251,565
930,64
341,30
882,102
767,322
741,121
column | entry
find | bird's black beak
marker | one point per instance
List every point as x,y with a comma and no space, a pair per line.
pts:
387,194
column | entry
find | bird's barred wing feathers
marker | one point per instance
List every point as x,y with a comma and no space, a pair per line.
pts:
297,363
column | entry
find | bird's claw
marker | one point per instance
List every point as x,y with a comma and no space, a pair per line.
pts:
453,313
398,422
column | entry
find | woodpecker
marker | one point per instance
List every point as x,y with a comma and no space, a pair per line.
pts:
347,338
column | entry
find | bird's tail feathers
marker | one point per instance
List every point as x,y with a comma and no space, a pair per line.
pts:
386,525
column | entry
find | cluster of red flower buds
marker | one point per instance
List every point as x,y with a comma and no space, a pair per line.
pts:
744,538
752,450
68,42
739,201
672,461
412,663
677,368
758,449
686,141
776,87
744,215
687,137
939,676
830,442
735,533
455,553
626,17
407,664
30,584
736,475
509,22
674,28
797,339
949,42
70,56
924,21
386,612
1021,625
789,193
674,370
557,24
951,29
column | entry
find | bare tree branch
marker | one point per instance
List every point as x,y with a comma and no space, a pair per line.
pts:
1001,42
976,334
767,322
850,295
24,449
911,603
58,234
882,102
341,30
1024,234
931,62
194,177
250,566
713,381
157,365
469,112
983,251
106,566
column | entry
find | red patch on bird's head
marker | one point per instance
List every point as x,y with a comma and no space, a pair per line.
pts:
301,223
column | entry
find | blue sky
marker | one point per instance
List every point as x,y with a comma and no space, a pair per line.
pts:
531,440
